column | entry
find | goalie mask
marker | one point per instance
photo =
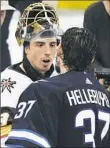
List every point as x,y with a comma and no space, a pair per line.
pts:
38,20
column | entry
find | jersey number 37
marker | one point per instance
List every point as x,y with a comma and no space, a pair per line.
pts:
89,114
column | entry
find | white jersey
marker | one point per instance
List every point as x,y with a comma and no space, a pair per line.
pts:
13,83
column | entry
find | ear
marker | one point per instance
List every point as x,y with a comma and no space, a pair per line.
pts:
59,51
27,50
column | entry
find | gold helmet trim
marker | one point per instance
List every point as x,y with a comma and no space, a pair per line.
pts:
33,17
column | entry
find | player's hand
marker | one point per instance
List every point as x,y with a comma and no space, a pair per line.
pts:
101,81
108,89
4,118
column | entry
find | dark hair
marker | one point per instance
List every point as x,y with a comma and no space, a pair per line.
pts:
79,48
25,44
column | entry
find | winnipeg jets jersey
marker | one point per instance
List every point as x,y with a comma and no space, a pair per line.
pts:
69,110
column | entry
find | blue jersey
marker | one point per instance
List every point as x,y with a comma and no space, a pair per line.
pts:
69,110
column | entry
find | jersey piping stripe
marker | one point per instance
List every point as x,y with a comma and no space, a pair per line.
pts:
30,136
14,146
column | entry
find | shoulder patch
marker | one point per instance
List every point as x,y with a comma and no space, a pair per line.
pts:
7,84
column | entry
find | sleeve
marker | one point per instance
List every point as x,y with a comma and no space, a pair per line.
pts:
89,20
108,141
12,85
35,124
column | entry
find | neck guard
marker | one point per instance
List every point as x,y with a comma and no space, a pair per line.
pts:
34,74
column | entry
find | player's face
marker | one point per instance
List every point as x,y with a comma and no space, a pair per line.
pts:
2,16
41,53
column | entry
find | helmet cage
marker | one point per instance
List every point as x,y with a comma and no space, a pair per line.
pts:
36,18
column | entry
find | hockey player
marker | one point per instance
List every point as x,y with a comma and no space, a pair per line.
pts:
69,110
37,30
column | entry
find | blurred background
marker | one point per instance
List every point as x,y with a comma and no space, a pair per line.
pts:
70,14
